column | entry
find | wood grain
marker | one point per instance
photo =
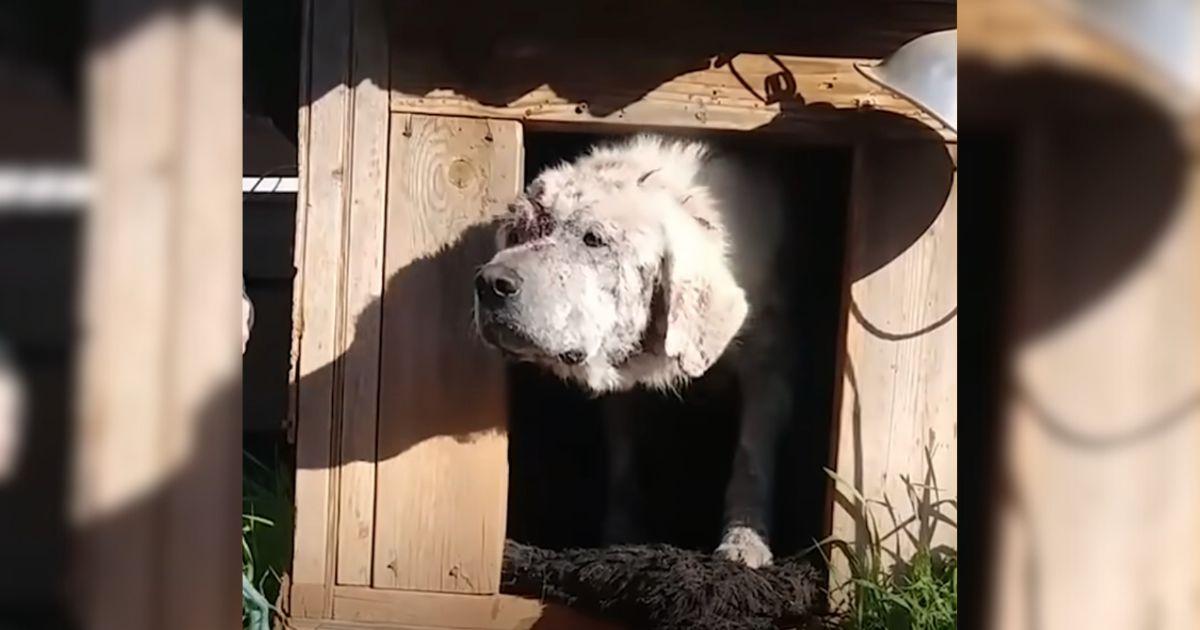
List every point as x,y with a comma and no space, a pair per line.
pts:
320,259
363,295
443,472
443,610
898,421
785,94
357,608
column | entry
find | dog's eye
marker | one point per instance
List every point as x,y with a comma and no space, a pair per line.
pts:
512,238
593,239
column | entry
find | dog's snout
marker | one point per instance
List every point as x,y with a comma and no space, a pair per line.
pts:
572,357
497,282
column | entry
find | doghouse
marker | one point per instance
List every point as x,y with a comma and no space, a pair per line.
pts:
415,129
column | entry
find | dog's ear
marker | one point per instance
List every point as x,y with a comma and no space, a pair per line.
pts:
705,307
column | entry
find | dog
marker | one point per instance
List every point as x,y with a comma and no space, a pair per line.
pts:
640,264
247,318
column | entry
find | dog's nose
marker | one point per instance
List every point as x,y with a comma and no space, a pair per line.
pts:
497,281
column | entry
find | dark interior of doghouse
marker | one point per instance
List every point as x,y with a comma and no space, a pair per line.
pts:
557,456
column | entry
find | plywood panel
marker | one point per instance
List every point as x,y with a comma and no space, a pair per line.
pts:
363,292
443,472
897,431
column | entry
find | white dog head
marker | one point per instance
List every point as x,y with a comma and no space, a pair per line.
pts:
613,270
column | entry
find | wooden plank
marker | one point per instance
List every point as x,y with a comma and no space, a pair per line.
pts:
125,311
309,601
414,609
205,371
1028,34
363,292
1101,418
786,94
446,610
443,472
321,260
898,414
157,436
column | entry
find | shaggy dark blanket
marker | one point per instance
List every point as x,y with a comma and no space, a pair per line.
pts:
661,587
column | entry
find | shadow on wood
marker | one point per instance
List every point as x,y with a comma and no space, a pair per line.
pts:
1079,183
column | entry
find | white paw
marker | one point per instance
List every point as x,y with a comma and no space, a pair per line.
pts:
744,545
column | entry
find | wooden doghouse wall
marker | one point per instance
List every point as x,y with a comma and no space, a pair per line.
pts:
408,140
897,428
401,480
1094,422
156,460
439,522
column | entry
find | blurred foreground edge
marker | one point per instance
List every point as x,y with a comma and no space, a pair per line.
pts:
156,468
1091,481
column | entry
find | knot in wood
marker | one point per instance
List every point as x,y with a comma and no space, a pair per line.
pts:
460,173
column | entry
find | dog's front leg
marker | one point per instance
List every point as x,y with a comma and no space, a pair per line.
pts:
766,409
621,518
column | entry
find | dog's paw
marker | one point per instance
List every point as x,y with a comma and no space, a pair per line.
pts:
744,545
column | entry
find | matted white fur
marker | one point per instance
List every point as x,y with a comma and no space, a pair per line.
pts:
12,415
247,318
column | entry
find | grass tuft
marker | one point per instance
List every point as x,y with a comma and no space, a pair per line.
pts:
886,590
919,595
266,536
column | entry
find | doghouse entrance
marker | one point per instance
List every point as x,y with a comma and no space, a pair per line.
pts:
684,447
419,451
